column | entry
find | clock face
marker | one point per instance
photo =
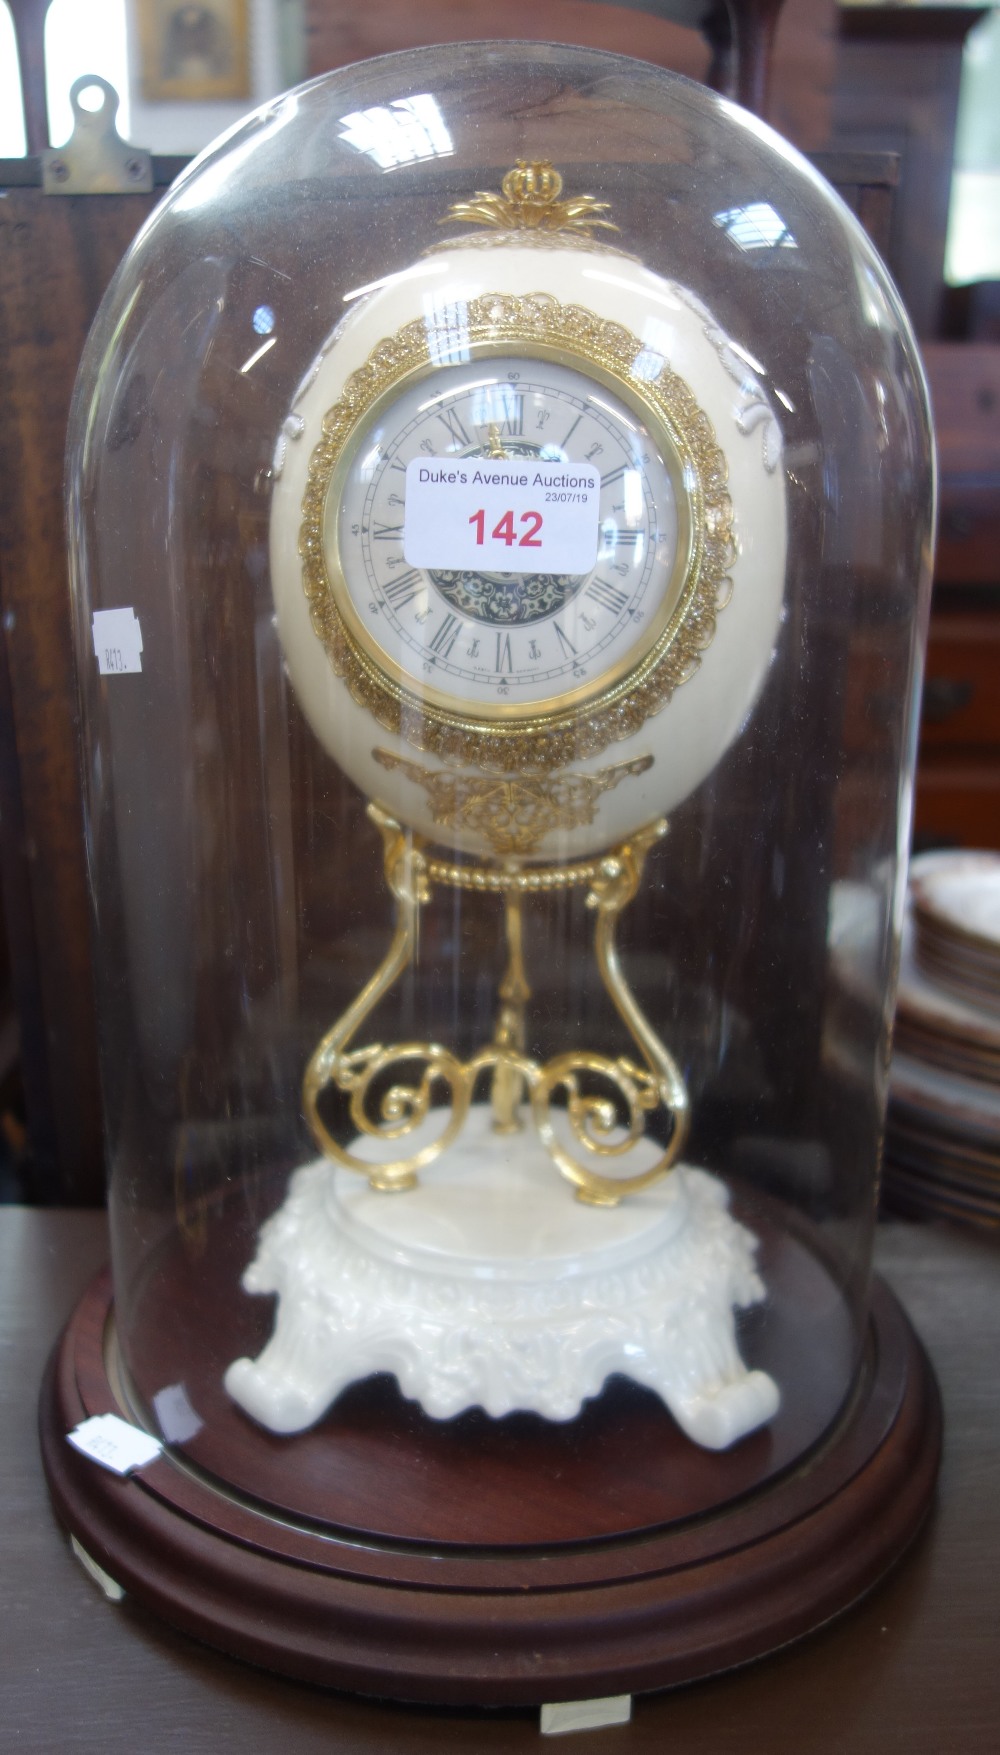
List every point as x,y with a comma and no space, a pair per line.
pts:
465,633
512,557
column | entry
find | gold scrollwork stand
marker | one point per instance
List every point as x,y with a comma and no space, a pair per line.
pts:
602,1127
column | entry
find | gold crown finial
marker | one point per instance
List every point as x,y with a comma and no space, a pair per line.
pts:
535,185
530,202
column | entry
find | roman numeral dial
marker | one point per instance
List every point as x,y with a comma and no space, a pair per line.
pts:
473,637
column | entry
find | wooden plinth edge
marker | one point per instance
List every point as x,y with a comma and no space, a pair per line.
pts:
507,1626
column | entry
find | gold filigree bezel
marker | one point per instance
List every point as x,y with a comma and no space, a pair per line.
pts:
536,325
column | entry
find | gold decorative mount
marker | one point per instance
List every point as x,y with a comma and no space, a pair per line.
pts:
530,202
607,1101
512,812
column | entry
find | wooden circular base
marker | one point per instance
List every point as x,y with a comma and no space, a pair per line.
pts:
514,1623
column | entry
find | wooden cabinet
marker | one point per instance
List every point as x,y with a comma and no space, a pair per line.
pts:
896,90
958,781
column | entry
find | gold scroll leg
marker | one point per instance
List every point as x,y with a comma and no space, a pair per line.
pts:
402,1106
642,1090
508,1037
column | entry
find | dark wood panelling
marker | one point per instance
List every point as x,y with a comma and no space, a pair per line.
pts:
962,686
958,780
788,64
56,258
958,802
897,82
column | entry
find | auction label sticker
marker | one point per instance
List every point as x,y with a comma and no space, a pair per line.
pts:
117,641
504,515
115,1443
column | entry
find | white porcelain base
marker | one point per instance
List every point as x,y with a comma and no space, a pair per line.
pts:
490,1286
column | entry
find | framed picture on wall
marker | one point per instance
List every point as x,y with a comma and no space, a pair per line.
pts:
193,52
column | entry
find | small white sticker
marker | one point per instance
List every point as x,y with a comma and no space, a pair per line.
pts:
114,1443
585,1715
178,1420
508,515
117,641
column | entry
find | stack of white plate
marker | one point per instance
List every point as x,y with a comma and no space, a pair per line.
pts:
956,916
942,1151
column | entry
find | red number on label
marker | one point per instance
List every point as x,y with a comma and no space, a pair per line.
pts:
505,532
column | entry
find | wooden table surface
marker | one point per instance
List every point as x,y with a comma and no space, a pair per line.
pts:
914,1668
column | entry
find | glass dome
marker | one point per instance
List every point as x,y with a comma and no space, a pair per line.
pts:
482,455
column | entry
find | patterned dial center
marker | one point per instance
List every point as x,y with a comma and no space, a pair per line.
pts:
505,599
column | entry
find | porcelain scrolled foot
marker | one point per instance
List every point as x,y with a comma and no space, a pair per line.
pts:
487,1286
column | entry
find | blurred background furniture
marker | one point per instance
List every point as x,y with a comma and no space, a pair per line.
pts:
958,780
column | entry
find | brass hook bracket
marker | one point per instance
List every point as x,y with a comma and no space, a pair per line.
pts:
595,1133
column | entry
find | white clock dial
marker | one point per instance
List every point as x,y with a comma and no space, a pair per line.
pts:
509,639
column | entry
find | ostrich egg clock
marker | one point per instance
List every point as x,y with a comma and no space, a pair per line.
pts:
528,533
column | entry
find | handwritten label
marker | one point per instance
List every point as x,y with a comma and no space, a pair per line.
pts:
117,641
114,1443
504,515
585,1715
